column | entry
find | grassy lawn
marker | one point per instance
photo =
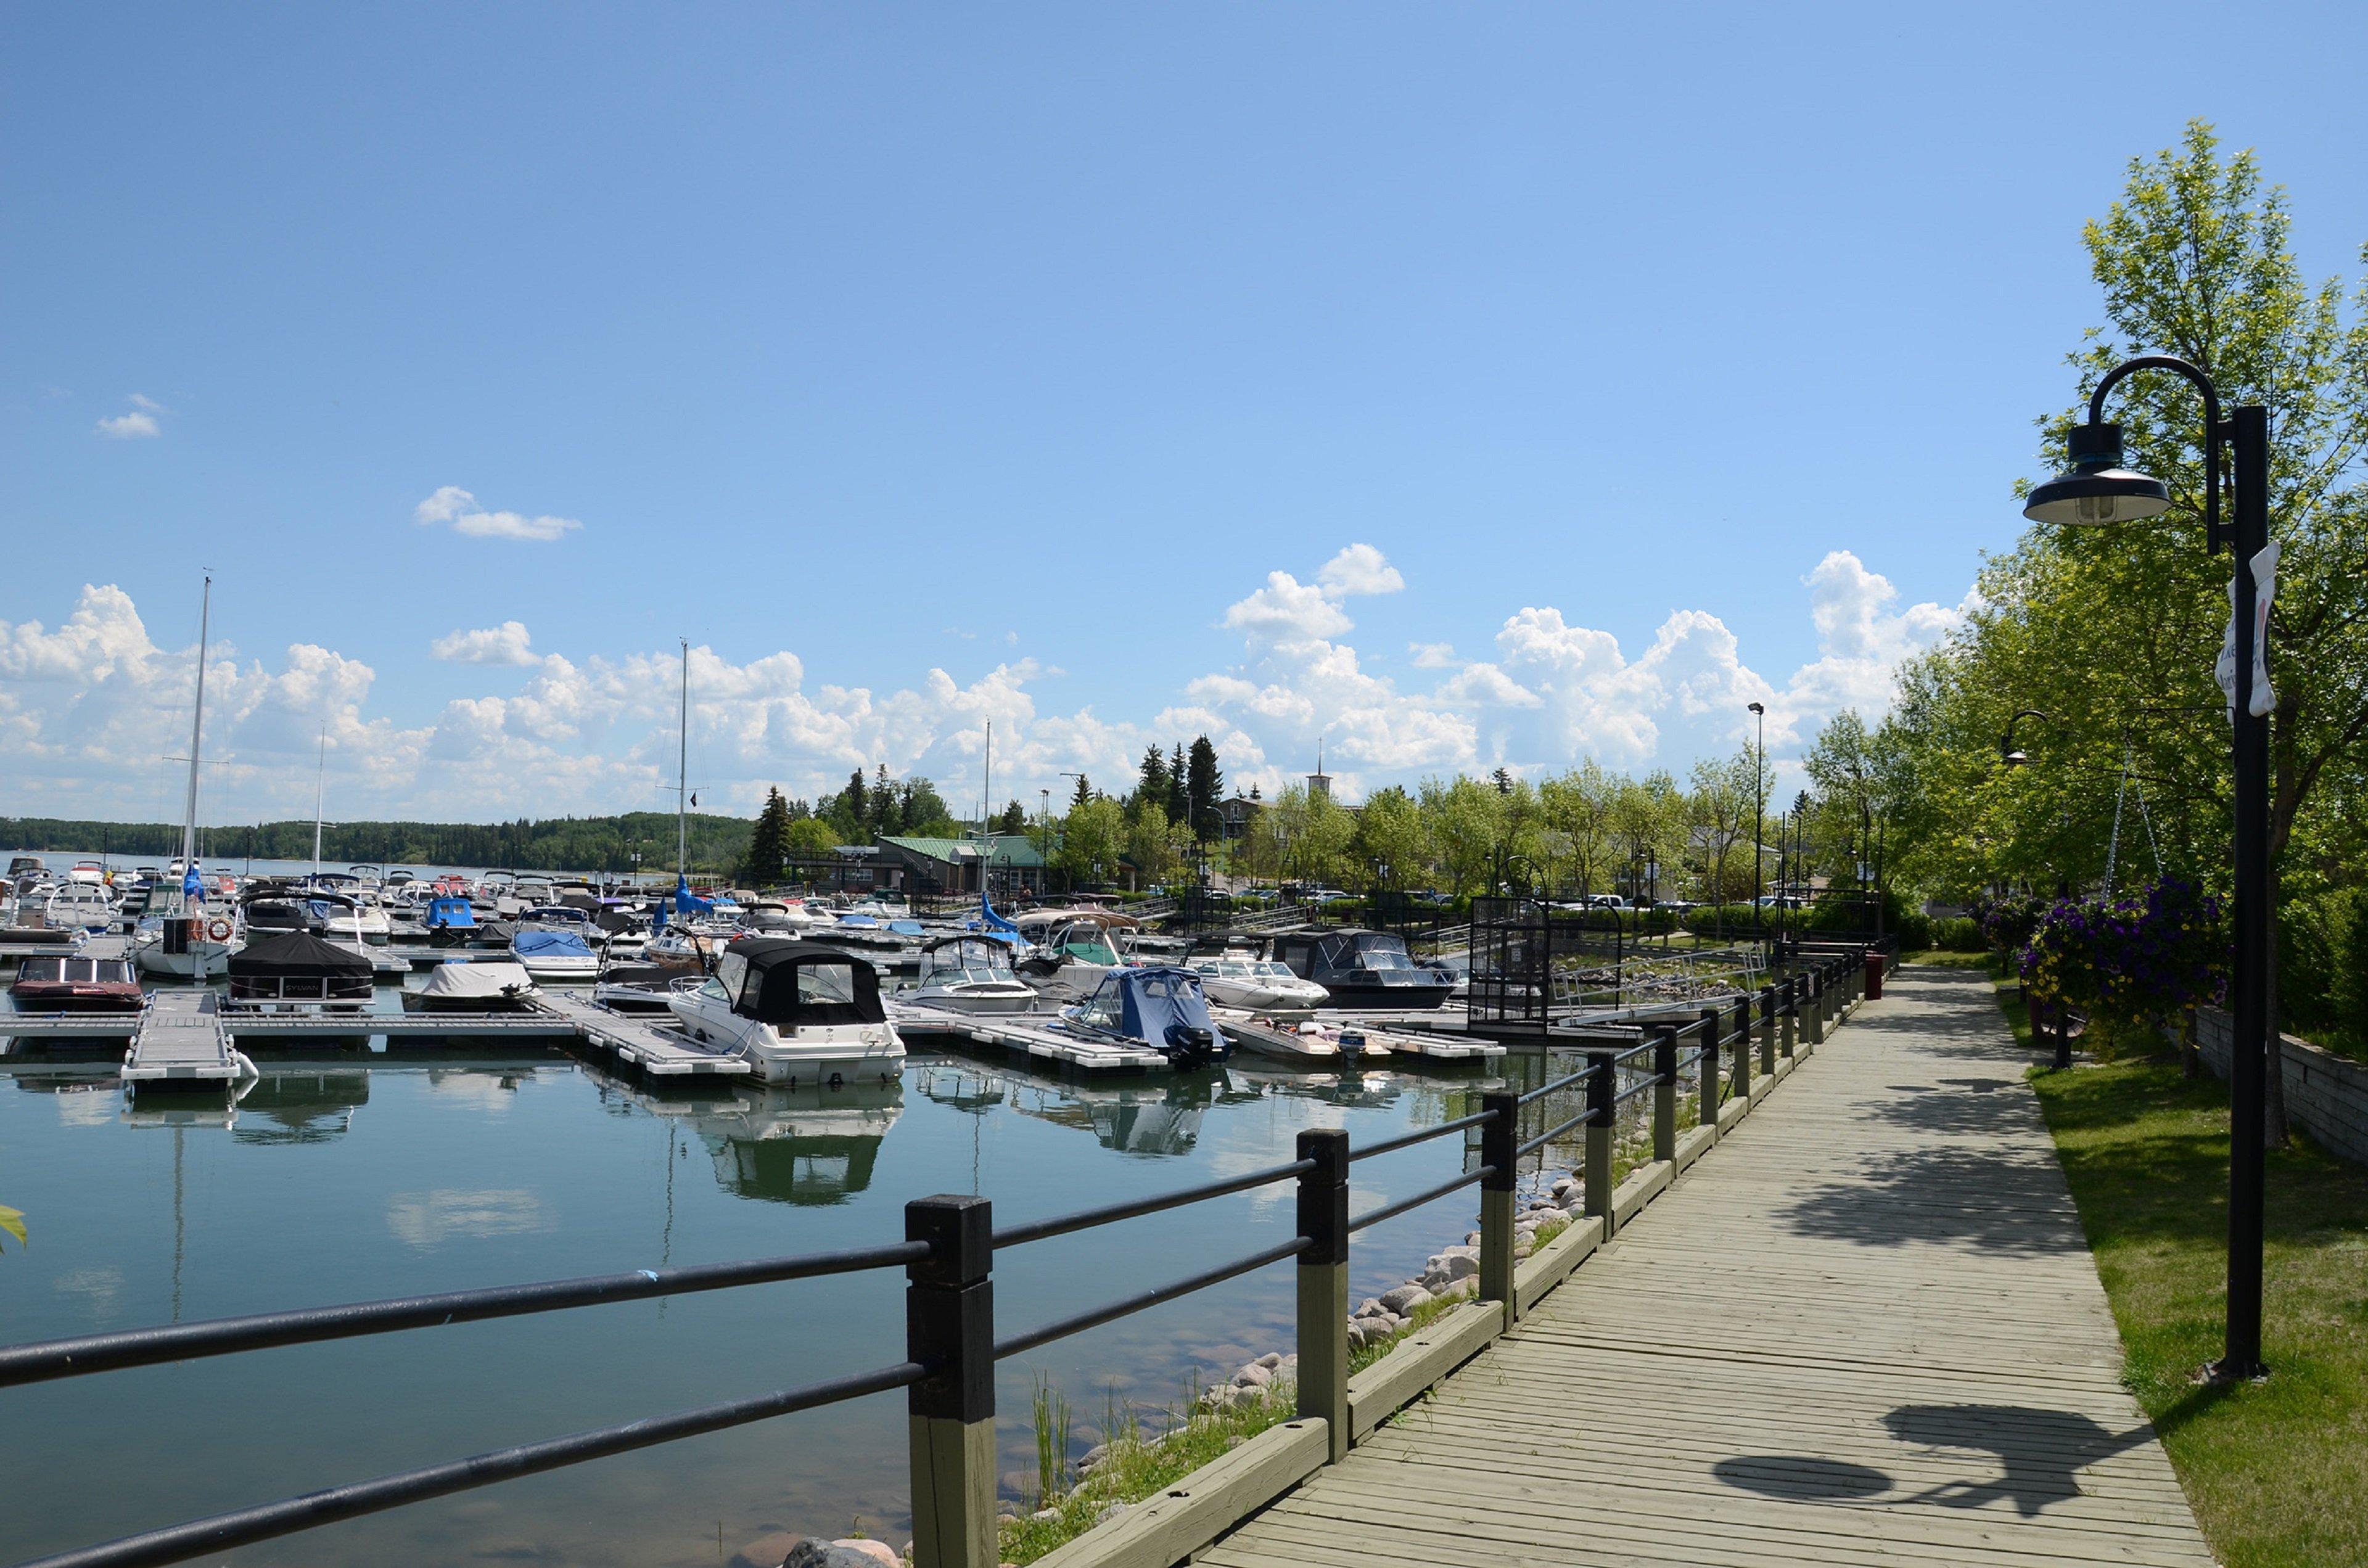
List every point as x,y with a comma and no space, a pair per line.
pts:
2278,1471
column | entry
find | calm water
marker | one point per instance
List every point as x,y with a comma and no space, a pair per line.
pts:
345,1176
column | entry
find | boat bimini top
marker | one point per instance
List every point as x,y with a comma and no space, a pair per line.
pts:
791,984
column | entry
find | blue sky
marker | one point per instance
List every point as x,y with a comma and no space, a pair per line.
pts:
1586,371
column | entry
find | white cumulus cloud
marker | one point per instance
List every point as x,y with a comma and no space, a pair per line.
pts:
140,424
453,506
504,644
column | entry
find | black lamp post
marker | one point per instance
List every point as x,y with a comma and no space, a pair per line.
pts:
2098,490
1758,813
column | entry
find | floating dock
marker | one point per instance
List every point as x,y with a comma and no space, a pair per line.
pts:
180,1040
1033,1034
1282,1040
659,1048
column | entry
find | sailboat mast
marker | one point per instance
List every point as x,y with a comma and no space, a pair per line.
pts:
682,778
197,733
986,804
320,776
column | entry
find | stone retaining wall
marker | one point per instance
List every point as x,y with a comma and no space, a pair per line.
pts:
2326,1095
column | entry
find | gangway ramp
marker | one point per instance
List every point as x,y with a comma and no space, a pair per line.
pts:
180,1039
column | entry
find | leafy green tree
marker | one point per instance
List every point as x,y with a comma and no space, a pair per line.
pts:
1580,805
1390,844
1463,820
810,838
1093,837
1720,811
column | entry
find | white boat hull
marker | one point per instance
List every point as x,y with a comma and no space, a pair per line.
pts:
846,1053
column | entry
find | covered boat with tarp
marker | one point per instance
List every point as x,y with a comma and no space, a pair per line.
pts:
299,971
491,986
798,1012
1158,1005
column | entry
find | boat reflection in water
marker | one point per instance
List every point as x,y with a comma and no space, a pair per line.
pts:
1138,1118
812,1146
301,1106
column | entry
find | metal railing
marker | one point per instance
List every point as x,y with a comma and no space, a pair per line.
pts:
948,1254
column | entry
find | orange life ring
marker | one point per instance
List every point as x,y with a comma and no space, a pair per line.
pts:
218,929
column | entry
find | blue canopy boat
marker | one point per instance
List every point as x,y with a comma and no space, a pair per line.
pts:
1157,1006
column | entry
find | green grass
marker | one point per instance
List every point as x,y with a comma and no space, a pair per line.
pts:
1940,958
1135,1466
2277,1472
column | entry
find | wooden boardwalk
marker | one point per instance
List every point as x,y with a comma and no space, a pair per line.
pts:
1865,1329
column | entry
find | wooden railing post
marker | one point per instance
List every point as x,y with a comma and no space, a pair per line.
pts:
1789,1024
1665,1093
1714,1065
1324,1284
1767,1029
1499,1136
1813,1019
1602,1114
950,1327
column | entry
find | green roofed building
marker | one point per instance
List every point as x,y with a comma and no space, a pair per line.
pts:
954,865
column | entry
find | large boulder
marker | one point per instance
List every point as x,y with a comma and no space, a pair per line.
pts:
815,1552
1405,1299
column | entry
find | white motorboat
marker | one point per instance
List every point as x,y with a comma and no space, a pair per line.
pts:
970,974
78,906
640,987
554,955
797,1012
1069,963
356,915
1234,980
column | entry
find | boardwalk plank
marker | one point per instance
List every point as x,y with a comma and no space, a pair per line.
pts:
1864,1329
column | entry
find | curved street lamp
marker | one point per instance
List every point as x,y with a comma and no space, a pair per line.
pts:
2097,490
2007,755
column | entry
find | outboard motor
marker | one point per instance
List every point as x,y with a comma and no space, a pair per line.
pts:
1190,1046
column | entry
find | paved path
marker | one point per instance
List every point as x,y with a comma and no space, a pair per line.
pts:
1865,1329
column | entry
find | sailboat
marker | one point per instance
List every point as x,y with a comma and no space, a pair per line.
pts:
185,941
682,935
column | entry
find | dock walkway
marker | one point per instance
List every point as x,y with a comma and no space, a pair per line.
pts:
1866,1330
180,1039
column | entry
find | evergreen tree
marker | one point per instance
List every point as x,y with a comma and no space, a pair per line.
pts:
1151,780
1013,820
1203,784
1085,792
1180,803
768,846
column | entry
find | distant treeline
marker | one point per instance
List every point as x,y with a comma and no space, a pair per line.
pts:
556,843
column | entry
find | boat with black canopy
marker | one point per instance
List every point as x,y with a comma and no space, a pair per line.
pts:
299,973
798,1012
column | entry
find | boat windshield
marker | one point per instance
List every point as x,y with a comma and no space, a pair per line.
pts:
1274,969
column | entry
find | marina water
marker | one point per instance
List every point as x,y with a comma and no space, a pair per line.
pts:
350,1174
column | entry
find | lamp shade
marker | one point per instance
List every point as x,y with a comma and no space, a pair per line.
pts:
2097,489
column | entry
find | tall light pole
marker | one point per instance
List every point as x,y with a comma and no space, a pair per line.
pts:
2097,490
1759,812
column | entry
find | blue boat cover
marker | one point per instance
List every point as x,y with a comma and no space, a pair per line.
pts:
1147,1003
451,913
682,900
550,945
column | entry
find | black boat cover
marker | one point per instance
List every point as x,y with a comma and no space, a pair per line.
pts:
297,955
775,980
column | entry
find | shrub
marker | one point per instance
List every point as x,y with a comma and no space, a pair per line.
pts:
1958,936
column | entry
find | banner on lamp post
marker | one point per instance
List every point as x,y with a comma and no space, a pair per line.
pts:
2265,587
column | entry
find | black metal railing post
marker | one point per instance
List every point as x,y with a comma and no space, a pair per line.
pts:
1323,1285
1743,1048
949,1328
1813,1015
1499,1136
1714,1065
1665,1093
1602,1123
1767,1030
1788,1026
